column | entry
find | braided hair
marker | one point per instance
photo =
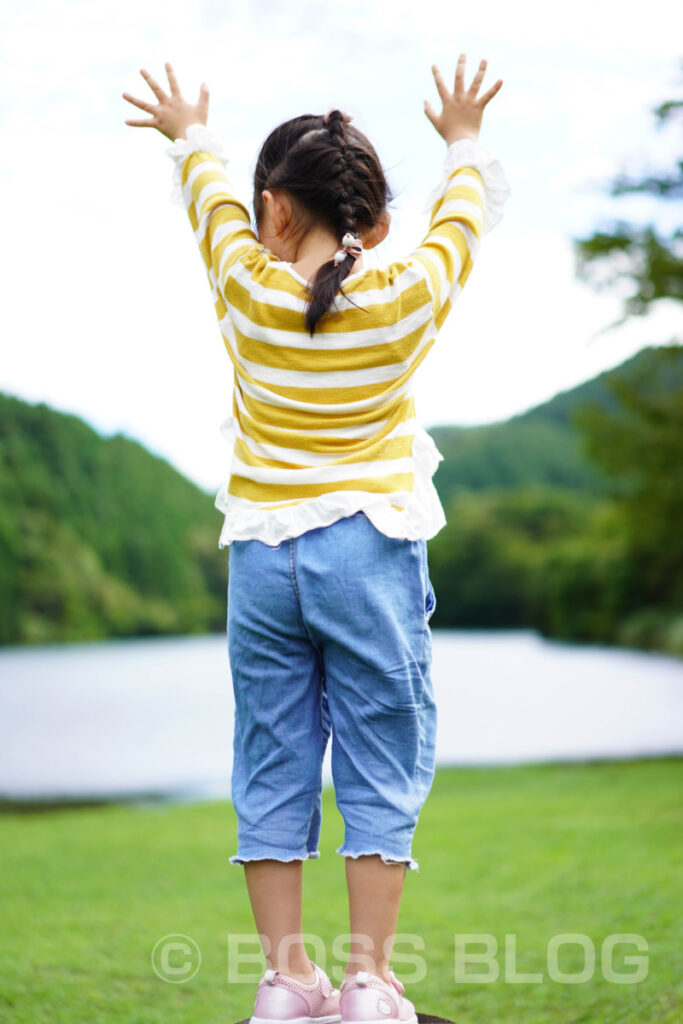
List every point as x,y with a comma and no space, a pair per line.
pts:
333,174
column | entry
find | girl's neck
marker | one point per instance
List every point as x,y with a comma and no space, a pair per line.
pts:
318,247
308,269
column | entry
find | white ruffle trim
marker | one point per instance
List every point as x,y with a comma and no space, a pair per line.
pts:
422,515
200,139
468,153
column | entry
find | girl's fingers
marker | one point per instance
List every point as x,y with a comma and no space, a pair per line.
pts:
476,81
156,89
138,103
483,100
430,112
142,124
172,81
440,85
460,73
203,103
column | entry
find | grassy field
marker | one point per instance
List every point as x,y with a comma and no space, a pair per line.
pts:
533,852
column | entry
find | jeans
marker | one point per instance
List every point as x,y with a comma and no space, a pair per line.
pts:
328,634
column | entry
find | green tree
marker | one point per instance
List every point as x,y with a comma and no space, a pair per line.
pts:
651,261
641,447
638,443
488,563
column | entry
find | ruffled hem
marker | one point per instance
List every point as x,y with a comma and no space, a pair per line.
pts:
468,153
200,139
410,863
311,855
421,514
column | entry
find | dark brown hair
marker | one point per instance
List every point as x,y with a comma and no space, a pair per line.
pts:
333,174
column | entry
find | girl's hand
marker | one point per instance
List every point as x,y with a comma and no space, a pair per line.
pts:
172,114
462,111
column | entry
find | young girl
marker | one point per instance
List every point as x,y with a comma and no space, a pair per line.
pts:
328,507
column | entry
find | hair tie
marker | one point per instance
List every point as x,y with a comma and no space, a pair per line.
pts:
352,245
345,116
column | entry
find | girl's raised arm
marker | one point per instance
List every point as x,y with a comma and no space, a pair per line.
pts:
221,223
469,200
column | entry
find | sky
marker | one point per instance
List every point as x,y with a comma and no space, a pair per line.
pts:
107,311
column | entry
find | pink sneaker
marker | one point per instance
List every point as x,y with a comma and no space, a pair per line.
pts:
282,1000
367,999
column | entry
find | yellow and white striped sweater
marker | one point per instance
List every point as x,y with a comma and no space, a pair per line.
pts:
324,426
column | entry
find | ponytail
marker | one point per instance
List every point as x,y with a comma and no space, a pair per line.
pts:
328,280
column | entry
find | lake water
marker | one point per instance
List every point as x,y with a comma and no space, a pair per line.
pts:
155,716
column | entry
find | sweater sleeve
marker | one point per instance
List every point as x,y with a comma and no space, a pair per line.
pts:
466,204
220,221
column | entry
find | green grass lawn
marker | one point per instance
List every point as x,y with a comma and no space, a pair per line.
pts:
533,852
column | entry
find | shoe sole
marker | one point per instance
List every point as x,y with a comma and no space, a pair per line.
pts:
330,1019
384,1020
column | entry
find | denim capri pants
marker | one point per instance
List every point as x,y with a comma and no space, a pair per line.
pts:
328,634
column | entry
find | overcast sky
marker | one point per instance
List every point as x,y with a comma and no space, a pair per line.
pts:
106,309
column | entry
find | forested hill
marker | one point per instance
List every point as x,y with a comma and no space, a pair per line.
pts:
98,536
542,446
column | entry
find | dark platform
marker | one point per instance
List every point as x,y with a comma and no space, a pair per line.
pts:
423,1018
